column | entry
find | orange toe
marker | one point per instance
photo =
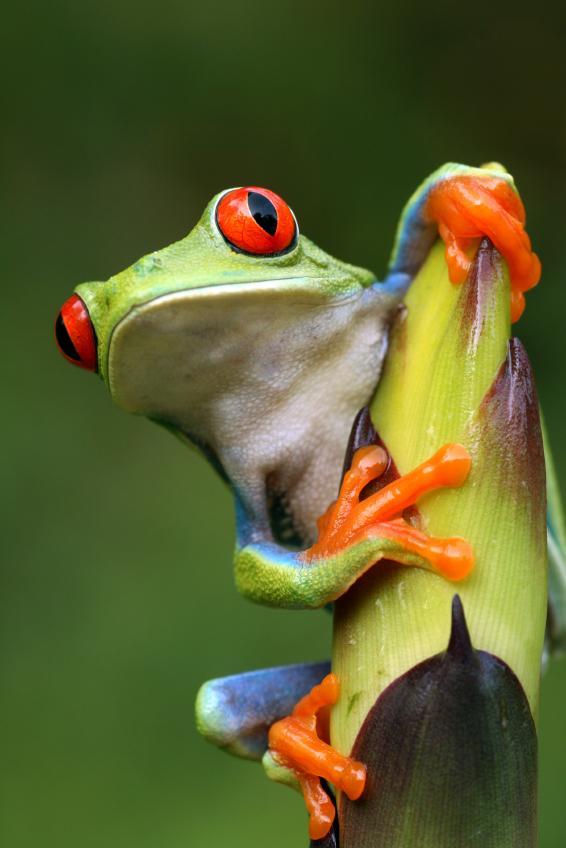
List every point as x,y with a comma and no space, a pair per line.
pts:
294,741
466,208
350,520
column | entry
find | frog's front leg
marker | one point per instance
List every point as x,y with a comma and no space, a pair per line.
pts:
356,532
462,204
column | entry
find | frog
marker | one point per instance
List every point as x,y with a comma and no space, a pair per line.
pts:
260,350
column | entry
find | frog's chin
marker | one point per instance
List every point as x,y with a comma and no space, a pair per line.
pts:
270,383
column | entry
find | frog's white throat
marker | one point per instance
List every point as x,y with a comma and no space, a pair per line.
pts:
270,382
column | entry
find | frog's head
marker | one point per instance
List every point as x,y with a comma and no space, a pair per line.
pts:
229,285
245,338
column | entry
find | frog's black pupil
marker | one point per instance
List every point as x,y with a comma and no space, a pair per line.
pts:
64,339
263,211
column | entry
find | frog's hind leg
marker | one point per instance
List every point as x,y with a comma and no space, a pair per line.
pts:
236,712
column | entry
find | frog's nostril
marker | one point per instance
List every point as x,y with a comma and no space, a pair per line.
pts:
75,335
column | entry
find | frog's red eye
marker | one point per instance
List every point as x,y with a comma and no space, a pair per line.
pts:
75,334
256,220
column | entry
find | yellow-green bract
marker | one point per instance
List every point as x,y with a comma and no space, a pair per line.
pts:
453,375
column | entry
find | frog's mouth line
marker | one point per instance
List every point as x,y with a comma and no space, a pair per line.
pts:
308,296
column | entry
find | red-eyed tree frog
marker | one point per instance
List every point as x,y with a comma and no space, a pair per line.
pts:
257,347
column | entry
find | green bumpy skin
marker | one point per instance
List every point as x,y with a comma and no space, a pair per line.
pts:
291,584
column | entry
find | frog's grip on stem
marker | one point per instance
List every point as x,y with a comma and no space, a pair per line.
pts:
467,207
350,520
295,742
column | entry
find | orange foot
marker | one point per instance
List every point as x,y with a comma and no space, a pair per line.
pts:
295,743
468,207
350,520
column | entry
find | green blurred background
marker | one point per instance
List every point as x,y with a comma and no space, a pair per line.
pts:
120,119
